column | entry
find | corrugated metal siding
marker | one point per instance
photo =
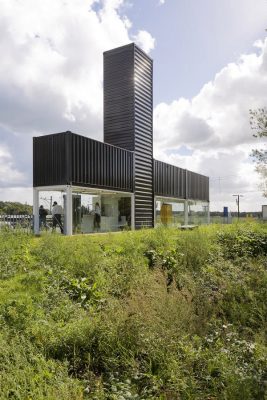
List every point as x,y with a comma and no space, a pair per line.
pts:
67,158
98,164
169,181
119,97
128,119
197,186
143,112
49,160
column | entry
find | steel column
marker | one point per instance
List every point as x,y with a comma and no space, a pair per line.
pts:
132,212
36,224
186,212
68,212
208,210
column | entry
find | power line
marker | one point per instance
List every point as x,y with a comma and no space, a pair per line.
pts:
238,201
224,177
243,191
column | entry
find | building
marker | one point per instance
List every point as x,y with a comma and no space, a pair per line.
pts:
132,189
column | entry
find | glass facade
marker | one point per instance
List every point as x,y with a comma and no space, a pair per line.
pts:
169,212
101,212
92,211
48,221
197,212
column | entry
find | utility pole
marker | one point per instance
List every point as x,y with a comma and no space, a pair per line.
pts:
237,202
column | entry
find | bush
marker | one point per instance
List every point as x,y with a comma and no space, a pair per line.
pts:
243,242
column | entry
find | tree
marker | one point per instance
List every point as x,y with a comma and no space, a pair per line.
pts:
258,123
7,207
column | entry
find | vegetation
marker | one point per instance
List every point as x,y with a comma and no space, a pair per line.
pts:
153,314
7,208
258,122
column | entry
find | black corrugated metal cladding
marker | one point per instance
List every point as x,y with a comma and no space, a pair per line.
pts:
128,119
119,97
67,158
197,186
124,162
49,160
101,165
171,181
143,103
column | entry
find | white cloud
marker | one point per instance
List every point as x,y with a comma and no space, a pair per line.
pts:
8,172
51,73
19,193
145,41
161,2
215,126
51,81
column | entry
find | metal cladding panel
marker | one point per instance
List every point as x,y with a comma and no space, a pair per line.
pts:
128,119
197,186
143,122
50,164
67,158
169,181
100,165
119,97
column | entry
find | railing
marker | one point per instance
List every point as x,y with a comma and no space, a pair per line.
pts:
16,222
24,223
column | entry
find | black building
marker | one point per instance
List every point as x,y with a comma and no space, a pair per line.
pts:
122,167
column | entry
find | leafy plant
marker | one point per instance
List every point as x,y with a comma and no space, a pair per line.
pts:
82,290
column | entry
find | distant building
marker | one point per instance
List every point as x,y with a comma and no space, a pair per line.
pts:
133,189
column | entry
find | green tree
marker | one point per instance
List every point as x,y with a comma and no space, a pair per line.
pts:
258,123
7,207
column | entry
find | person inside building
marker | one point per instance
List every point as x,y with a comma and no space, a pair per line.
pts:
97,217
42,216
57,211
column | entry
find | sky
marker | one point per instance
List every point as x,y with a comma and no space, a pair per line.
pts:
210,68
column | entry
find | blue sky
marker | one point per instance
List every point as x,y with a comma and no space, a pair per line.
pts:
195,39
210,68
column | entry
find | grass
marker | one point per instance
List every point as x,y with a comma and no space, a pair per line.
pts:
152,314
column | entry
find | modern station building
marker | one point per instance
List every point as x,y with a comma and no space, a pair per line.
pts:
132,189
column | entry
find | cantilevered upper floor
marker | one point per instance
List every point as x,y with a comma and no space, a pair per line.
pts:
70,159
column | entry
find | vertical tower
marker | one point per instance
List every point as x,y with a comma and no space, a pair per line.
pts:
128,119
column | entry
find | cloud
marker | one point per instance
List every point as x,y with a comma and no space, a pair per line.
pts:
19,193
145,41
47,78
161,2
51,81
51,75
215,126
7,170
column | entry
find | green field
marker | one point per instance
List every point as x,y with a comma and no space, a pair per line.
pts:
153,314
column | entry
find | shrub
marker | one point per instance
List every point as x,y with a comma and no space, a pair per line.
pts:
243,242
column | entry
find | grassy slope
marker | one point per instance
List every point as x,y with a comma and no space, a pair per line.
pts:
158,314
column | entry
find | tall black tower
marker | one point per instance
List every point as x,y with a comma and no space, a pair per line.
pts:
128,119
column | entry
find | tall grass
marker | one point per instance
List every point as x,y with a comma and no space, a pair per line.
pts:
153,314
